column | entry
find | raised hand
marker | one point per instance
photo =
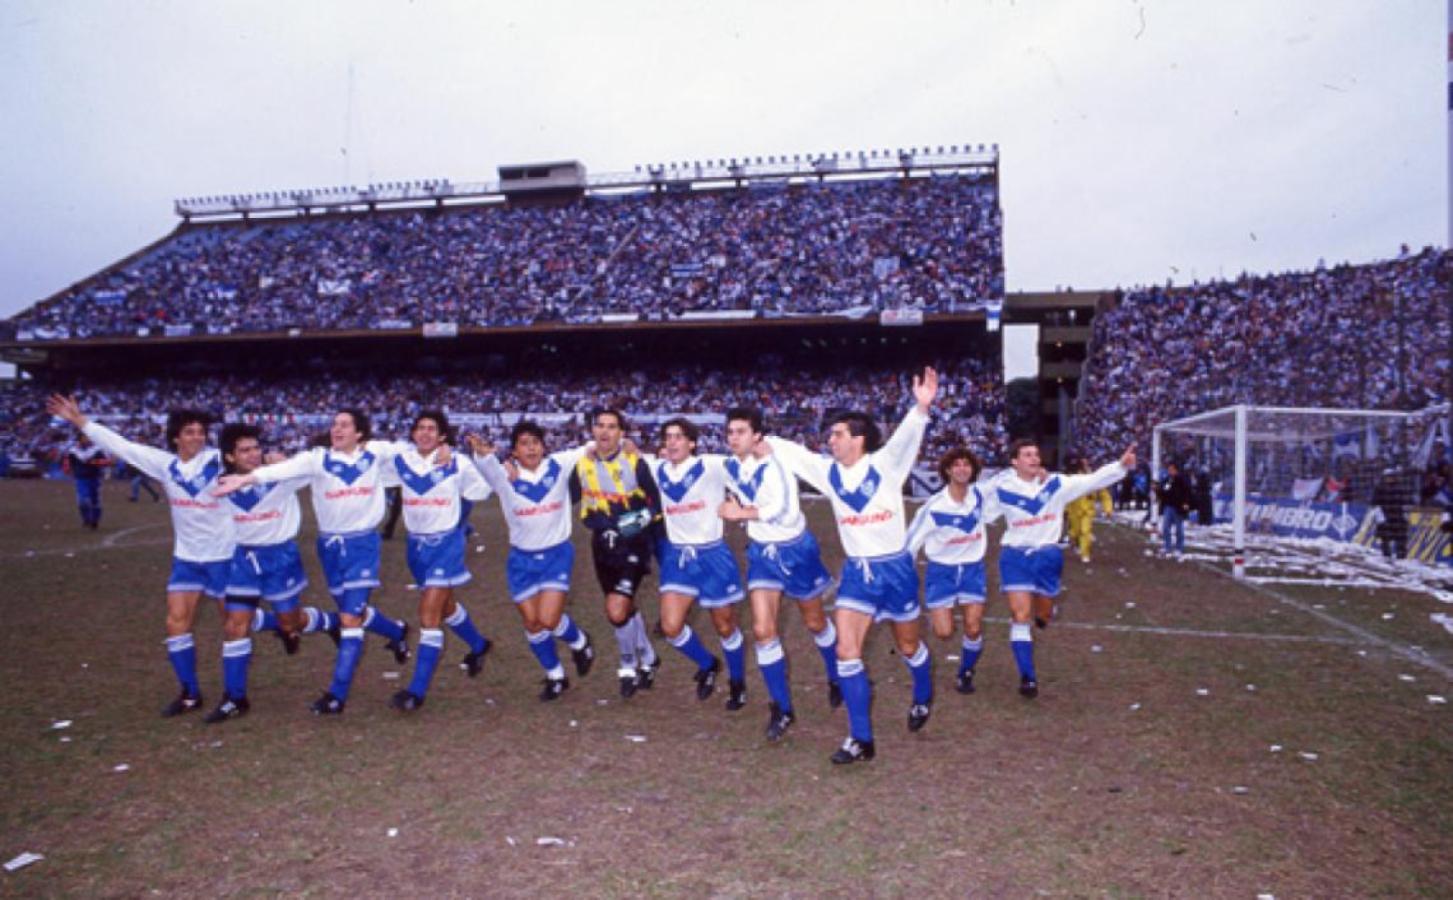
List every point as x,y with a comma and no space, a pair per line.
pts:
925,388
1128,458
228,484
479,446
64,407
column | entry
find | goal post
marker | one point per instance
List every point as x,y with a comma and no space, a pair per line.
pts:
1316,476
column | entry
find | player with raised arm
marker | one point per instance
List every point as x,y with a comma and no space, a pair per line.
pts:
696,564
265,566
202,554
864,484
535,500
435,488
619,503
949,528
1030,560
782,558
345,481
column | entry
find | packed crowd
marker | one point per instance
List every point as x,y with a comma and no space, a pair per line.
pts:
794,400
1372,336
766,250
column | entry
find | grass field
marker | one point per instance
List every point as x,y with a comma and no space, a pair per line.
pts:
1194,737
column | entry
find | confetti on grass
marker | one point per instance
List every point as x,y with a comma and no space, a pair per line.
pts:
549,842
62,723
121,767
1437,699
23,860
636,738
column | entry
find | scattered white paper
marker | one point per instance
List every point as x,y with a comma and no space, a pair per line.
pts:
1275,748
1266,897
1202,692
69,554
574,724
1240,789
1387,617
1251,688
23,860
65,739
393,832
1308,756
550,842
636,738
1406,678
1437,699
952,657
1129,604
1134,707
62,723
1361,652
390,676
1096,648
1443,619
509,840
121,767
601,702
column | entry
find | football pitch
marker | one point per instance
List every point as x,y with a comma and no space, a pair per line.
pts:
1193,737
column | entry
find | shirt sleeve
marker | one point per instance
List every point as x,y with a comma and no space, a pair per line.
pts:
801,462
772,497
151,460
896,458
473,485
989,506
1079,485
919,528
301,465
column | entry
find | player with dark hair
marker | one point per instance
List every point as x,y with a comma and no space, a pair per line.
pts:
696,564
620,504
949,528
782,558
265,566
864,484
535,500
202,554
345,480
1030,560
435,487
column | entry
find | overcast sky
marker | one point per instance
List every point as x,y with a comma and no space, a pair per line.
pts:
1140,139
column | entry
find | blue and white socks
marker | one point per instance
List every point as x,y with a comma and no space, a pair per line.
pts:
390,629
236,655
693,649
920,666
431,647
542,644
735,651
973,648
1021,639
181,651
350,649
569,632
826,641
772,663
857,697
463,628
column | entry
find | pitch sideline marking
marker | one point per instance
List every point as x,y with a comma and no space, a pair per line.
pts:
1362,634
1195,632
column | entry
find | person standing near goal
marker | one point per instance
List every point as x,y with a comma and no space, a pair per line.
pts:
864,483
1030,560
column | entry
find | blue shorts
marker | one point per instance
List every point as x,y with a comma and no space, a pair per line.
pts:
1034,570
208,577
531,571
273,572
945,585
884,587
793,567
437,560
705,572
349,560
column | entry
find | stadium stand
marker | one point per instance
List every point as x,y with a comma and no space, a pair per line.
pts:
768,249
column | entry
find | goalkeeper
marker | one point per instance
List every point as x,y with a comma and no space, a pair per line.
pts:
619,503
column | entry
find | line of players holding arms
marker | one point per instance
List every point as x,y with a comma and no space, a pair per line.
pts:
236,521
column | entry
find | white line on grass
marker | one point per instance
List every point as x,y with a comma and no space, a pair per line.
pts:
1196,632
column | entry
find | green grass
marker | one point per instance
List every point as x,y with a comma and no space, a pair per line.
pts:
1076,794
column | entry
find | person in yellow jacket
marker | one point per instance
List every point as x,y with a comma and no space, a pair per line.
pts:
1080,514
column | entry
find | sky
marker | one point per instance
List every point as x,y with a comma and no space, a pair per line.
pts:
1140,140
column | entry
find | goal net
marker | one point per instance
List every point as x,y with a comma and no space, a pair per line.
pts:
1304,494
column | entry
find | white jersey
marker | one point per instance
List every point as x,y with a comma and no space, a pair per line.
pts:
536,504
950,532
765,485
347,488
866,497
692,493
1034,511
432,492
202,524
266,514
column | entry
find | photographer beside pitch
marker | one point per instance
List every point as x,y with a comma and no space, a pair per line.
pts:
1030,559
